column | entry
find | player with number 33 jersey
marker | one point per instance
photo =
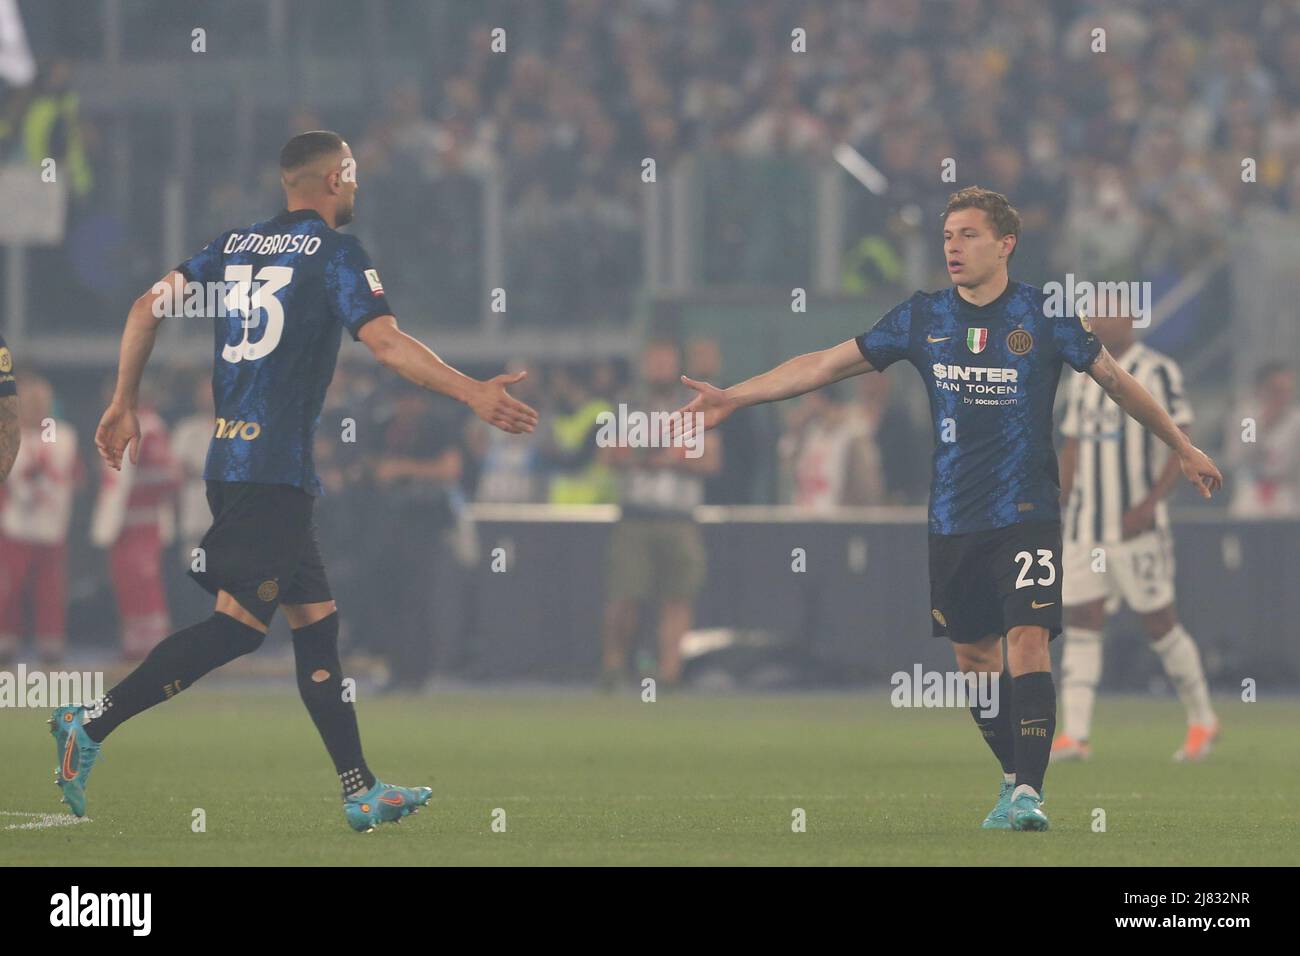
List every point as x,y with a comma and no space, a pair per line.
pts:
279,294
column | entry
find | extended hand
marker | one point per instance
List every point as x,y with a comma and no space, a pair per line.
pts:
118,430
711,402
1200,471
491,402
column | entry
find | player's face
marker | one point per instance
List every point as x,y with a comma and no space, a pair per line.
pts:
972,250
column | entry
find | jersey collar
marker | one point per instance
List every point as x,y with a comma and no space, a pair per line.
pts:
298,215
989,308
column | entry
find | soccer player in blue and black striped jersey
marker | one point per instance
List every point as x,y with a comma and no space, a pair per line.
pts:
285,291
991,357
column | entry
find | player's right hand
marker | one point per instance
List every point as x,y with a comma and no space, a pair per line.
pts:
711,402
118,431
493,404
1200,470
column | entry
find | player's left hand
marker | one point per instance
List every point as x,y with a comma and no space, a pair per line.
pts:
118,432
1200,471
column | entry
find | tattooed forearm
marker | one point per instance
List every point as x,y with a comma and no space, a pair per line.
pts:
1105,373
9,434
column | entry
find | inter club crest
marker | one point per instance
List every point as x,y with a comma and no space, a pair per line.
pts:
976,339
1019,341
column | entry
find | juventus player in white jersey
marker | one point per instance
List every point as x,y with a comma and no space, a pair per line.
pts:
1114,478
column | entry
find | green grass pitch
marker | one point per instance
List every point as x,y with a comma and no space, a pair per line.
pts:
585,779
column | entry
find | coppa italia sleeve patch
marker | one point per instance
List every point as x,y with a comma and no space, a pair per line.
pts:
372,280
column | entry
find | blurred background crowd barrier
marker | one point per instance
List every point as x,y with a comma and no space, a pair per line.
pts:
852,617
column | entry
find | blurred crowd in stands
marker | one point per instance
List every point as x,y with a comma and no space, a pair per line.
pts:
1129,158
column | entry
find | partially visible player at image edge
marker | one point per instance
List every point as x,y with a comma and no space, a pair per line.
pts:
991,359
295,284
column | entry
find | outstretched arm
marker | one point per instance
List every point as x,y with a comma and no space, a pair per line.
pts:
1129,395
416,363
796,376
119,429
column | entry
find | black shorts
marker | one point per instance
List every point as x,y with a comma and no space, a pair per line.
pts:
262,547
988,582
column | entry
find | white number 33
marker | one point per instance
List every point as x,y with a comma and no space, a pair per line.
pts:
248,299
1026,561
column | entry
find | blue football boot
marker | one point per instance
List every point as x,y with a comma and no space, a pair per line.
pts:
76,754
1026,810
999,817
383,803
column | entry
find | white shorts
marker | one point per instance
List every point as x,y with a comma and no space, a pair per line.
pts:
1139,572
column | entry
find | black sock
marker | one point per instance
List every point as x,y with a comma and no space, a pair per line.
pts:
1035,711
176,663
997,730
320,682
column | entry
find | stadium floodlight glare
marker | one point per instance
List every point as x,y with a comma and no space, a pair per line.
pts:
857,166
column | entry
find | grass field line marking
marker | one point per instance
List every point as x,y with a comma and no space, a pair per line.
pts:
41,821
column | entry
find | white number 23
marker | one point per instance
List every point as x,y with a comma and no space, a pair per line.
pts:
1026,561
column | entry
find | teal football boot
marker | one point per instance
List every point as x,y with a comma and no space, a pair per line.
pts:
999,817
1026,810
383,803
76,754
